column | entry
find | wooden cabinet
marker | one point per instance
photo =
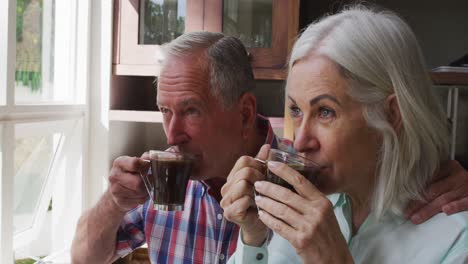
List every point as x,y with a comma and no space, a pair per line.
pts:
267,27
134,52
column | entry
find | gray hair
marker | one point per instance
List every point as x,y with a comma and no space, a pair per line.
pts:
225,58
379,55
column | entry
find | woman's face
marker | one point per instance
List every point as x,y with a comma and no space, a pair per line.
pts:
329,126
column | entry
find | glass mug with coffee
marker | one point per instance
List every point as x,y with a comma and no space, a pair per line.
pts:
167,183
304,166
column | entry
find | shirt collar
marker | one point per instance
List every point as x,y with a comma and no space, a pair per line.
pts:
337,199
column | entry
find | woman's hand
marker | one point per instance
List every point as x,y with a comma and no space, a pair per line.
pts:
238,197
305,219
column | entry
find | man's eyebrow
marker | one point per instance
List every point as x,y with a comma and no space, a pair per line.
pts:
187,102
190,101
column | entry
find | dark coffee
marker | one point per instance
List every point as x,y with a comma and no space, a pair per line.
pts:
170,179
310,173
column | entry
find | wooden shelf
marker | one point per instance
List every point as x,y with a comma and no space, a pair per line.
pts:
136,116
445,78
446,75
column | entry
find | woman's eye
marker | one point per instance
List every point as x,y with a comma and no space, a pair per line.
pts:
295,111
326,112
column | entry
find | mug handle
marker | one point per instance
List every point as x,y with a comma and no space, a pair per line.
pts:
149,187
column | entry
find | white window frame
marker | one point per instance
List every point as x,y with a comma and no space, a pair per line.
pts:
94,69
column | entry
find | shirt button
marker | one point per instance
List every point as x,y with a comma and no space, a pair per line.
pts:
219,216
259,256
221,257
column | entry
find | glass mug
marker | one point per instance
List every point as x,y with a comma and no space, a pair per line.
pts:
304,166
167,183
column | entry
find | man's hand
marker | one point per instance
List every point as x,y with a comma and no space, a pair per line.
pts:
126,185
448,193
238,197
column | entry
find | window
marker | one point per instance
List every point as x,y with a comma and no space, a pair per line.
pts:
44,123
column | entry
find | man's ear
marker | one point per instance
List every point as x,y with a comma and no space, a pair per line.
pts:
248,110
393,112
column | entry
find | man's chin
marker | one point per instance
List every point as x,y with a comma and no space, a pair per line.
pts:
199,176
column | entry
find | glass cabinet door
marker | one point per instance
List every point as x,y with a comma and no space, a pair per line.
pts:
266,27
141,26
161,21
249,20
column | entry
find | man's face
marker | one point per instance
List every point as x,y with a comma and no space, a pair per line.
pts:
195,121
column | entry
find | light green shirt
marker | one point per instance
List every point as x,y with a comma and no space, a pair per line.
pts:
393,239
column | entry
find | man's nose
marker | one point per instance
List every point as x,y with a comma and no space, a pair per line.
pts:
176,131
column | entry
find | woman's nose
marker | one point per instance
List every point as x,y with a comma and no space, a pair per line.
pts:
306,139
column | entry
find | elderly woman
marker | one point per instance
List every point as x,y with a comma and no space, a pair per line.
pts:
362,107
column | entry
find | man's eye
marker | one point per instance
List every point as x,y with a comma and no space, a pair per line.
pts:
295,111
163,110
192,111
326,112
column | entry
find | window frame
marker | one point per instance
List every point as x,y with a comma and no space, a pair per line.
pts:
92,65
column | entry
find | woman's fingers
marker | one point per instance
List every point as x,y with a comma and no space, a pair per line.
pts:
302,186
239,209
281,194
280,211
278,226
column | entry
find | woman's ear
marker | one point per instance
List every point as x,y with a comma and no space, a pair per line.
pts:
248,110
392,109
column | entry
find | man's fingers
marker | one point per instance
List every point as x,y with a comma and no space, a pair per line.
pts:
131,181
433,207
412,207
438,188
131,164
145,156
456,206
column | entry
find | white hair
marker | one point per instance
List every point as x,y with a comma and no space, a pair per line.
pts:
379,55
224,57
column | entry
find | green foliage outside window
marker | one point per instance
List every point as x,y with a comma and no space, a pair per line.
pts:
29,43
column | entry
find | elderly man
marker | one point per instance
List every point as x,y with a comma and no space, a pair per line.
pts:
204,94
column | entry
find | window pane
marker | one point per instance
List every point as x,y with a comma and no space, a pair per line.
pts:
33,160
48,167
45,51
161,21
249,20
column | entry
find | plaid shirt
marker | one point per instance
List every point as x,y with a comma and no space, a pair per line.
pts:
199,234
